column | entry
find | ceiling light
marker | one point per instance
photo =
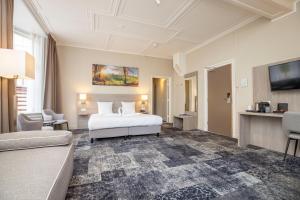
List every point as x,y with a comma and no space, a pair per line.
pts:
157,2
121,26
155,45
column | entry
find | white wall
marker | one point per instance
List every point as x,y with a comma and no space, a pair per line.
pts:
259,43
75,69
178,94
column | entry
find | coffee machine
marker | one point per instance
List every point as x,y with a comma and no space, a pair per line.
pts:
263,107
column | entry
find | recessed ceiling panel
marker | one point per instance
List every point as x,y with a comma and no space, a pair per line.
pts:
132,29
126,44
96,40
265,5
168,49
75,8
271,9
149,12
209,18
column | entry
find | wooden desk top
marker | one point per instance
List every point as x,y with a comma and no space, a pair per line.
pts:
84,113
276,115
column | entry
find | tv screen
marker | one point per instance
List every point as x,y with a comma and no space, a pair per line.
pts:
285,76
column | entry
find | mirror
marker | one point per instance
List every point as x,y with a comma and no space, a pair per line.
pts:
191,92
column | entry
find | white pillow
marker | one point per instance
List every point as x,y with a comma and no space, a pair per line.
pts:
128,108
104,107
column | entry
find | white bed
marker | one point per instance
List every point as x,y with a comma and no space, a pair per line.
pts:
115,125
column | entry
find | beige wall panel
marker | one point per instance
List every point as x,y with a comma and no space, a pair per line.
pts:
262,90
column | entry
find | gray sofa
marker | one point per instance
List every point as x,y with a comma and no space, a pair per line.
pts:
35,165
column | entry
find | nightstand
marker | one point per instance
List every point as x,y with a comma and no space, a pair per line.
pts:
185,122
82,120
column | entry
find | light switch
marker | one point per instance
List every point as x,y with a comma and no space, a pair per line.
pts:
244,82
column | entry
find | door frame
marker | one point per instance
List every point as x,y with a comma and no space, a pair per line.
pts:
169,100
233,96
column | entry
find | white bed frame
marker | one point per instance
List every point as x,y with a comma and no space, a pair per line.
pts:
124,131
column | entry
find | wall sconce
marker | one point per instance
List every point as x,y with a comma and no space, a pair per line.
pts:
82,98
144,98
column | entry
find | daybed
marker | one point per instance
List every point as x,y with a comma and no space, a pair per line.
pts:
35,165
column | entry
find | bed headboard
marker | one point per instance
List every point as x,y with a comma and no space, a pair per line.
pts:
92,99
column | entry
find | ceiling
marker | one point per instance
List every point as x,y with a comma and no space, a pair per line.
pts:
24,20
145,28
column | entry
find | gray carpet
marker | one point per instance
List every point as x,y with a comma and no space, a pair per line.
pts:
180,165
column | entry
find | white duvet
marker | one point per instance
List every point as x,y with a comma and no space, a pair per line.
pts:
98,121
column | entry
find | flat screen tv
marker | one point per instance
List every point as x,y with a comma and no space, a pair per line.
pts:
285,76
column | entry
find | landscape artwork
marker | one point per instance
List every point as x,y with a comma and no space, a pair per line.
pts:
115,76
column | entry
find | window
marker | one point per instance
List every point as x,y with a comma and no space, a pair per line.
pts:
29,93
22,42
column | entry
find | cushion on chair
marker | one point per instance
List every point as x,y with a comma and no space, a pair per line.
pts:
34,139
47,117
47,128
294,136
62,121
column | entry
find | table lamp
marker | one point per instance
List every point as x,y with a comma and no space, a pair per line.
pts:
15,64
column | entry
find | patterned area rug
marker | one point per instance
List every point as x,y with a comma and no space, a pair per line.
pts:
180,165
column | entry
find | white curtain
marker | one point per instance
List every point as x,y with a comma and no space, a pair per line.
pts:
36,87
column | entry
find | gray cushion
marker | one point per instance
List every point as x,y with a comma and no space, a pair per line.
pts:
36,174
294,136
60,121
34,139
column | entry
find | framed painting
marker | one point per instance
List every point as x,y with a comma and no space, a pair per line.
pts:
115,76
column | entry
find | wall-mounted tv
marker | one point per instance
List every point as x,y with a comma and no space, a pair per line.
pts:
285,76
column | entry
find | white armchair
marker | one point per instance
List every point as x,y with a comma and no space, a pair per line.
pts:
30,121
50,115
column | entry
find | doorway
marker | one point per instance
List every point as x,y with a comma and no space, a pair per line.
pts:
160,98
187,94
219,100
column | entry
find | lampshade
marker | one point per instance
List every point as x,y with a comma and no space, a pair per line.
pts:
16,64
82,96
144,97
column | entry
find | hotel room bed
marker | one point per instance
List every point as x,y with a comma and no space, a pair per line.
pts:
116,125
